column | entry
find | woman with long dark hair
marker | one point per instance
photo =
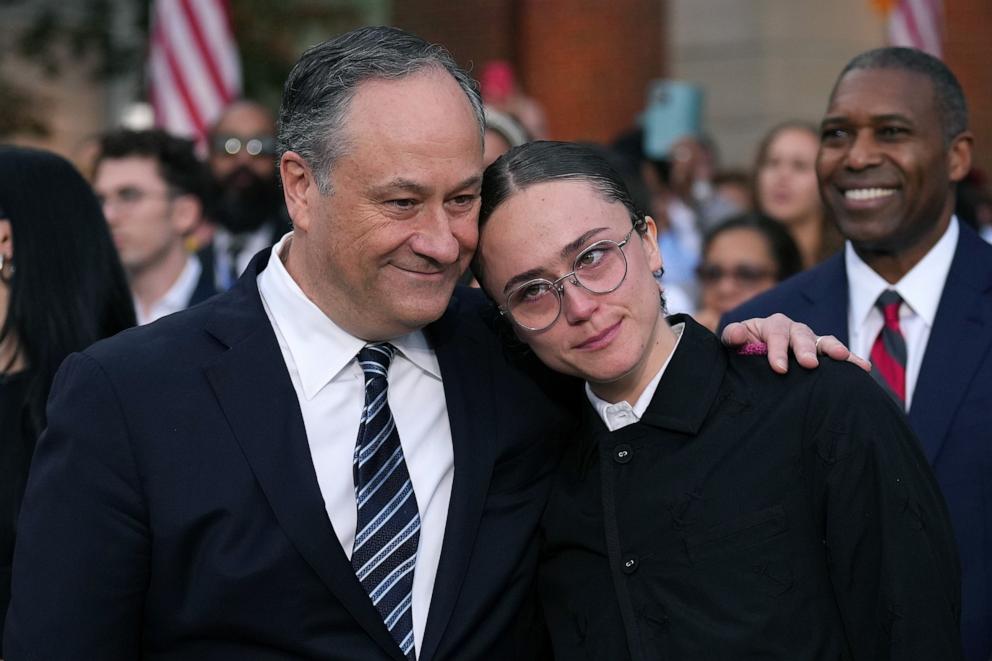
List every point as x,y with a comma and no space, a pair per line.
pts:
61,289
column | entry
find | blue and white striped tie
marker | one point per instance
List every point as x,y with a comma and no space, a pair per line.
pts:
388,529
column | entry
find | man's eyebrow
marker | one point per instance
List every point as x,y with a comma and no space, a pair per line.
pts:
399,184
408,185
891,117
475,181
830,120
566,252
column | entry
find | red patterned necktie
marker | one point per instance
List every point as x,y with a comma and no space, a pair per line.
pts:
888,354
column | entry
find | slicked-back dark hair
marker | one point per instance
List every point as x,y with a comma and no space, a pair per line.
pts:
320,87
947,93
547,160
68,288
177,163
543,161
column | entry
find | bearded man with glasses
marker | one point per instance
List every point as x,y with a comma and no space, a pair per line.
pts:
706,508
249,210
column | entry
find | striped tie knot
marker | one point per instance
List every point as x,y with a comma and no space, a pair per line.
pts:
888,304
374,359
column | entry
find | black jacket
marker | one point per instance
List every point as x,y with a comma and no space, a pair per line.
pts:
750,515
173,511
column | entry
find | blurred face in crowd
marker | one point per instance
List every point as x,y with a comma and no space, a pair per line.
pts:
786,179
738,265
243,140
147,220
381,253
551,229
242,160
884,167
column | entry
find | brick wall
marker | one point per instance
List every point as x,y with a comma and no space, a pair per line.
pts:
588,62
968,52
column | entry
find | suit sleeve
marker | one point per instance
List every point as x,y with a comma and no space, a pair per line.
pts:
82,554
890,547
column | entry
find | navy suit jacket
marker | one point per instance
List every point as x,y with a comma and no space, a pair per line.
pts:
205,287
173,511
951,412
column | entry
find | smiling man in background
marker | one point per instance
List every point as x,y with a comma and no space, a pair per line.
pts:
913,287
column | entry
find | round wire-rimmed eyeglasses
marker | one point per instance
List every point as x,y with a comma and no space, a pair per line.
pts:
600,268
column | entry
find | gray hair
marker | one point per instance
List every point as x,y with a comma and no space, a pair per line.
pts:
321,85
947,93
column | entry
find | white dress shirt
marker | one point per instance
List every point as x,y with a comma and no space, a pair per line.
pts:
920,288
253,242
621,414
330,386
176,298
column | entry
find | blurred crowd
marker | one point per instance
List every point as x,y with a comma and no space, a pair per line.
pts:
726,233
184,222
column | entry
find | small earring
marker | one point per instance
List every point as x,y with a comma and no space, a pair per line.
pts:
5,276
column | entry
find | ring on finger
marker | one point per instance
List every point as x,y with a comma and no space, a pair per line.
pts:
816,345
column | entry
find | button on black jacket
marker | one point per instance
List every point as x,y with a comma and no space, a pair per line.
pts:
750,515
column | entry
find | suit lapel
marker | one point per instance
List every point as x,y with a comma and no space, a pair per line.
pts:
253,388
825,296
961,335
466,393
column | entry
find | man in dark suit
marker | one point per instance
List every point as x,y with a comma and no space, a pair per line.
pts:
334,459
914,286
153,190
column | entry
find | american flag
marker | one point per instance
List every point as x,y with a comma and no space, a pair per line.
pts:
194,66
915,23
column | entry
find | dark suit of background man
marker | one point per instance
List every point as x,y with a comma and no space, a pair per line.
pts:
895,142
194,496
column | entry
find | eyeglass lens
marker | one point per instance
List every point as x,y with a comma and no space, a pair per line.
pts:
599,269
254,146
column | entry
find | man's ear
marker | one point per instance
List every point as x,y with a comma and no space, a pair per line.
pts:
650,240
299,187
959,156
187,211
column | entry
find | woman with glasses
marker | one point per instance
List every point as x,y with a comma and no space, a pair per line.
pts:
741,258
707,508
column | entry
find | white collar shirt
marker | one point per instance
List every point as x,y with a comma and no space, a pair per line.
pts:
251,243
619,415
176,298
330,387
920,289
